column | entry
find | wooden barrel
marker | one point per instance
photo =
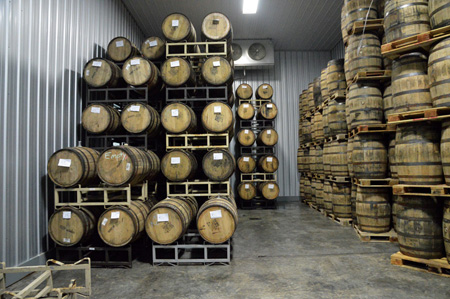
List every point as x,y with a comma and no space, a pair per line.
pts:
120,49
123,165
438,73
246,111
338,158
301,189
73,166
300,160
310,96
244,91
347,112
350,146
419,231
341,199
121,225
336,76
410,83
317,127
317,92
217,27
177,27
69,226
268,163
446,228
306,130
373,209
319,194
417,154
306,161
326,127
217,117
392,160
218,165
308,191
312,159
153,48
267,111
439,13
387,62
246,164
100,72
356,10
337,122
327,197
138,71
369,157
267,137
326,161
177,72
246,191
319,160
445,150
169,219
305,104
313,190
365,104
217,71
217,219
264,91
246,137
178,118
179,165
362,54
353,199
388,102
405,18
140,118
100,119
269,190
323,83
344,31
401,203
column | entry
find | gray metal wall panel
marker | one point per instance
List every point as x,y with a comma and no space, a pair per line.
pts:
47,43
338,51
292,72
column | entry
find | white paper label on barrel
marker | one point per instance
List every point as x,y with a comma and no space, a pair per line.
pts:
174,112
217,109
128,166
65,162
175,63
246,159
104,221
218,156
175,23
245,131
216,214
216,63
95,110
269,105
153,43
135,61
271,186
91,248
97,63
67,214
244,86
116,144
269,132
134,108
175,160
119,43
265,87
246,105
269,159
163,217
115,215
87,72
247,186
66,240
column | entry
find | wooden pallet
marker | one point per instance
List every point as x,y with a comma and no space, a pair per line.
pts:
359,27
432,114
340,95
373,76
390,236
341,221
338,179
318,176
435,266
366,129
313,206
336,137
422,190
383,183
422,41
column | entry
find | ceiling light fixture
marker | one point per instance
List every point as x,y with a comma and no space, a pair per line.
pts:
250,6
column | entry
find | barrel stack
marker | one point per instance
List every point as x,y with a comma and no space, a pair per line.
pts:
256,138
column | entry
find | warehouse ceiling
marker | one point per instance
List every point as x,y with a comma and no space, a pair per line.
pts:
291,24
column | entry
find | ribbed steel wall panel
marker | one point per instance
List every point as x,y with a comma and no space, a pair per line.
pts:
292,72
338,51
45,46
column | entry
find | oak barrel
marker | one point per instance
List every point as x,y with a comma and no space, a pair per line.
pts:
177,72
401,203
439,13
365,104
337,155
120,49
350,147
69,226
179,165
267,111
373,209
244,91
177,27
100,72
325,122
246,164
310,96
73,166
218,164
341,199
308,191
323,83
439,73
319,194
217,117
246,137
317,127
445,150
326,159
179,118
268,163
356,10
370,157
267,137
217,27
336,120
138,71
306,130
317,92
388,102
446,228
353,199
327,197
138,118
245,111
217,71
336,76
153,48
246,191
264,91
100,119
269,190
392,160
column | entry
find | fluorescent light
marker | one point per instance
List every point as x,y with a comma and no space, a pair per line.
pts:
250,6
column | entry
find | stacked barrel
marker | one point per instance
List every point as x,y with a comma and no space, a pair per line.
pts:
259,162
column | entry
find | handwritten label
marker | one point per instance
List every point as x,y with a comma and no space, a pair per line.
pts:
95,110
175,63
175,23
175,160
135,61
97,63
269,132
244,86
216,63
153,43
217,109
115,215
67,214
65,162
215,214
127,168
116,143
271,186
174,112
134,108
265,87
269,159
104,221
218,156
269,106
119,44
246,105
245,131
162,217
247,186
246,159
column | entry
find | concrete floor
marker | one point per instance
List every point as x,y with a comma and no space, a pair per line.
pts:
292,252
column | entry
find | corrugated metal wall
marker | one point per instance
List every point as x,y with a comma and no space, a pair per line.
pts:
45,44
338,51
292,73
